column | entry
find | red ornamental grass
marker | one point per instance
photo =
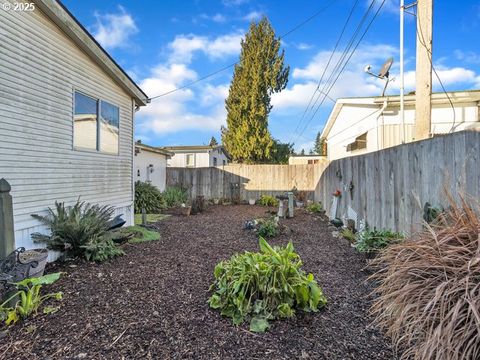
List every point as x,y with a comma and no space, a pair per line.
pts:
429,289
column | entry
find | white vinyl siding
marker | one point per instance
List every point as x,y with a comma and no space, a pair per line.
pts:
41,69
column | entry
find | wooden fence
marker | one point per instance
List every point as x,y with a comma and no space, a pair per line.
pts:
246,181
388,188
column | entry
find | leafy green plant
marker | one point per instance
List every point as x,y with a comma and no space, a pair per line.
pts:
370,241
73,227
101,249
175,195
80,230
148,197
263,286
268,200
315,208
29,298
349,235
267,228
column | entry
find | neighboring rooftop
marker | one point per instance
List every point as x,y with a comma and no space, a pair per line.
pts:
192,147
155,149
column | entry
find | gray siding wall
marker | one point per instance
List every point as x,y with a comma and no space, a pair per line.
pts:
40,68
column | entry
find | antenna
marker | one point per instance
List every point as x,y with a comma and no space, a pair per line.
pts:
383,74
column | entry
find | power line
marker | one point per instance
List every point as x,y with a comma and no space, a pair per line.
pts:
296,27
328,64
345,64
341,59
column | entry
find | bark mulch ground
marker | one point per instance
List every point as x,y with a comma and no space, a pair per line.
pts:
151,303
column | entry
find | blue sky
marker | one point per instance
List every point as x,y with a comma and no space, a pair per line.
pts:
167,44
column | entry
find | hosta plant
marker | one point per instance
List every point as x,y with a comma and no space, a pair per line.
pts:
29,299
263,286
315,208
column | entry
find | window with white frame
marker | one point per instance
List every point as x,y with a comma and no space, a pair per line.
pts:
96,124
190,159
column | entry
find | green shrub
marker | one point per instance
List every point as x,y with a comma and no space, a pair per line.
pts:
175,195
29,299
268,200
148,197
79,230
370,241
73,227
263,286
267,228
101,249
315,208
349,235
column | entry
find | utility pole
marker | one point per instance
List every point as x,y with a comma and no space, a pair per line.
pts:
402,76
423,90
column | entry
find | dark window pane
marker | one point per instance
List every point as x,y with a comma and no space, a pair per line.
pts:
109,127
85,122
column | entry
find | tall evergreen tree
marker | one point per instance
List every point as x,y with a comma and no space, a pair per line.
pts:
213,141
319,145
259,73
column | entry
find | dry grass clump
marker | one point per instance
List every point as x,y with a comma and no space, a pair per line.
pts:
429,289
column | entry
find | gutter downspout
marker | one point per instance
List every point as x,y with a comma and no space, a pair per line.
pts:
382,109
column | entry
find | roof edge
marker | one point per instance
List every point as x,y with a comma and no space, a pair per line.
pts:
64,19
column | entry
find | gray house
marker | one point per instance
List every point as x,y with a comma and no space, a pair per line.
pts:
66,117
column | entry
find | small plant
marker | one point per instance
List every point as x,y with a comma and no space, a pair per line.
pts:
268,200
371,241
29,299
263,286
78,230
101,249
175,195
349,235
315,208
267,228
148,197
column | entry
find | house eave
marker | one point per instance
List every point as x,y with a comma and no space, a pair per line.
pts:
62,17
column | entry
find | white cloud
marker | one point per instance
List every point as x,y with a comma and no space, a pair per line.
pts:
184,109
253,16
183,47
113,30
218,18
304,46
234,2
467,56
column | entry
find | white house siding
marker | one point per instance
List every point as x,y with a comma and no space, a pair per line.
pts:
40,68
142,162
201,158
385,130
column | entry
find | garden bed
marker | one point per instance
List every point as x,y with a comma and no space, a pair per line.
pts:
152,302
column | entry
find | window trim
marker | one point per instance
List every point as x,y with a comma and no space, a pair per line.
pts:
99,108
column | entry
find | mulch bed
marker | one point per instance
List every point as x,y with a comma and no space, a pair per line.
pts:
151,303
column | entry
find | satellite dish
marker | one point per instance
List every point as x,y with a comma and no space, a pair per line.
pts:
384,71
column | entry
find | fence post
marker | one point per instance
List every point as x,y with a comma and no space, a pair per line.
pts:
7,239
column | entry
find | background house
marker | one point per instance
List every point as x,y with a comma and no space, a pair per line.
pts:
151,165
306,159
197,156
362,125
66,118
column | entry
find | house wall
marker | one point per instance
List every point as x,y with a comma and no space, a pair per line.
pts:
303,160
41,67
385,130
202,158
142,161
